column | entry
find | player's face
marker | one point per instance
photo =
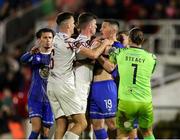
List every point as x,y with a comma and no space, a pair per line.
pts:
125,39
71,25
46,40
93,26
105,30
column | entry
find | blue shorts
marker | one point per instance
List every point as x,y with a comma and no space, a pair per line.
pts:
103,99
42,110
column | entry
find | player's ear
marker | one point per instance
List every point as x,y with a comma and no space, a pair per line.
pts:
90,26
129,40
38,41
68,26
113,31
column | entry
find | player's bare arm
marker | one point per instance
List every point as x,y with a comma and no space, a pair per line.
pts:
106,64
96,52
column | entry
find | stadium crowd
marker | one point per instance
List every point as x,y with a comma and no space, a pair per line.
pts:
124,9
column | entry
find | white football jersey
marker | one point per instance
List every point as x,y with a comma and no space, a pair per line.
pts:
63,58
83,73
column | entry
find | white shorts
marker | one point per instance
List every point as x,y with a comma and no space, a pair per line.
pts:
82,89
63,98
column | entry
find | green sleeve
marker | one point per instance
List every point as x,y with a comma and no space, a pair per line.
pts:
155,62
113,55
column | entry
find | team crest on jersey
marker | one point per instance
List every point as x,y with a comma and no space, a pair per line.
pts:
44,72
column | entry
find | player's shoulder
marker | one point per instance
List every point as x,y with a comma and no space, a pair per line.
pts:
58,36
58,39
37,54
120,50
61,37
82,39
151,55
123,49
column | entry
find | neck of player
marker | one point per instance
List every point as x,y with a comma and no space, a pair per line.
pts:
134,45
45,49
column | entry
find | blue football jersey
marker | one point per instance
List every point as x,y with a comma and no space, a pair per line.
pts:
40,65
117,44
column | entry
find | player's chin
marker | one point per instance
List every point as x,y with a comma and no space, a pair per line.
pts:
47,47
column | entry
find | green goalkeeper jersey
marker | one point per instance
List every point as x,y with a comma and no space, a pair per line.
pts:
135,67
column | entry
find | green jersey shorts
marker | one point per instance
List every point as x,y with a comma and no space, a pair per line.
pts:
128,111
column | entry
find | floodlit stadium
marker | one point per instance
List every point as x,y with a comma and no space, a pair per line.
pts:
20,20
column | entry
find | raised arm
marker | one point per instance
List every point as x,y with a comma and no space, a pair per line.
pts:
31,57
26,58
95,52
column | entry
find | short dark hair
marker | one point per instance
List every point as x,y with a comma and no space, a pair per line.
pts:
63,16
136,35
44,30
112,22
84,18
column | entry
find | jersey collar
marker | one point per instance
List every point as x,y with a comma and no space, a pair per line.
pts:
63,35
83,37
135,47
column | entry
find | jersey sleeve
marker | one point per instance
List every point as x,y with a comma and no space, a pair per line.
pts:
38,59
34,59
113,54
80,45
155,62
26,58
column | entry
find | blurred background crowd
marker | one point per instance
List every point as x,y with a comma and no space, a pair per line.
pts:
119,9
19,20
